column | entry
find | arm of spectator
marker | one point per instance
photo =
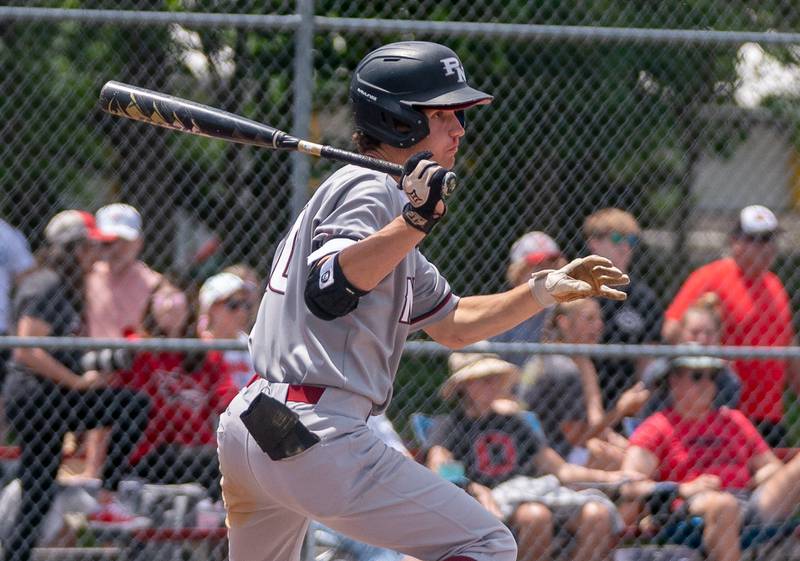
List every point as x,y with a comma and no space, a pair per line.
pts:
763,466
437,456
44,364
548,460
694,287
598,421
484,496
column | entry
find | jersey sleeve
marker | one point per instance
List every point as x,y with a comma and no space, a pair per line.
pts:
649,435
360,208
695,286
433,298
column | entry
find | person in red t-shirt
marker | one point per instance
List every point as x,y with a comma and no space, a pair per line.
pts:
709,462
187,390
755,311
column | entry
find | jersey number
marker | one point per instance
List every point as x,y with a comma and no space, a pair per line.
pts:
279,278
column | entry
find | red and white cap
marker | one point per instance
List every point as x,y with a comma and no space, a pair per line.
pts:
120,220
72,226
757,220
533,248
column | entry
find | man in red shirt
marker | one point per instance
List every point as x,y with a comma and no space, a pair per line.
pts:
709,462
755,311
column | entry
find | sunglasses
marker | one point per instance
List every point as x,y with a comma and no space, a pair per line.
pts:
755,238
618,238
700,375
234,305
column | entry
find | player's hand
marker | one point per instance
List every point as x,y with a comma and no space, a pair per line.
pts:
580,278
426,184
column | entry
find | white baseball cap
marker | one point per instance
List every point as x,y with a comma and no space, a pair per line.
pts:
120,220
757,220
219,287
533,248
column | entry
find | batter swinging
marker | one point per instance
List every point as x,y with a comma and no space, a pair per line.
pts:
347,286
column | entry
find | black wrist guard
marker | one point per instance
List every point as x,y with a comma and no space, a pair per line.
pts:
415,218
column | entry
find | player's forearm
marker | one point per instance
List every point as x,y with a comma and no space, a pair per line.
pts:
368,262
480,317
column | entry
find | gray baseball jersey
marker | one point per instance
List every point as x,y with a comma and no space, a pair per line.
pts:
359,352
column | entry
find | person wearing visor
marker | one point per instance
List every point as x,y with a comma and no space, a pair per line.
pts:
755,310
708,461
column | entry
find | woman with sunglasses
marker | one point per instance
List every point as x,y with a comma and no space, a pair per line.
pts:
226,311
705,461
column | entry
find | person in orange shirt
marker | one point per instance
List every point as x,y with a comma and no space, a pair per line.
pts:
755,311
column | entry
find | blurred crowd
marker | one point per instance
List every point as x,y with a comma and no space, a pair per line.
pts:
548,443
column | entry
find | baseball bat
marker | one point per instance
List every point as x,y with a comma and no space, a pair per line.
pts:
183,115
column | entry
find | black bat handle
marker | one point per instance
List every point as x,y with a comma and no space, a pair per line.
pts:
331,153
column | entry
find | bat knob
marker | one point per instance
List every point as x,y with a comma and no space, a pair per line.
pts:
449,184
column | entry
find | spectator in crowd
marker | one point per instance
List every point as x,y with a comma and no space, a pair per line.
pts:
15,261
188,391
533,252
47,393
503,453
226,310
248,275
755,311
564,391
119,285
118,289
711,462
701,324
615,234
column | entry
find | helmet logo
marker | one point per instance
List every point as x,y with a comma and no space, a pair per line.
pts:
453,66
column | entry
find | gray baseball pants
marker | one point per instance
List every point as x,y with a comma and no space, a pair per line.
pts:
351,482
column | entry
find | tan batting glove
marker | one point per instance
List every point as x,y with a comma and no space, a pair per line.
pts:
580,278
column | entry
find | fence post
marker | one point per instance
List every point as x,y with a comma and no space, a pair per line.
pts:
302,87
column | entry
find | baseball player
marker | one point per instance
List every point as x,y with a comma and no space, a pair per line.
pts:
347,285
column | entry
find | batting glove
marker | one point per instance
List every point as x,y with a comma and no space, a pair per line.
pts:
580,278
424,182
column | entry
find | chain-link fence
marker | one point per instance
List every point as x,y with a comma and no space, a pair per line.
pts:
679,114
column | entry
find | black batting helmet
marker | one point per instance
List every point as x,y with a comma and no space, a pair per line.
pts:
393,83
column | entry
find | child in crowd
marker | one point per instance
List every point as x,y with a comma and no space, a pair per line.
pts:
510,468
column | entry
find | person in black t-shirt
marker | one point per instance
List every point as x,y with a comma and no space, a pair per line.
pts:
511,469
47,393
615,234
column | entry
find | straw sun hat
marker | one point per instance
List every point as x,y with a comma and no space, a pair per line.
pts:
472,366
